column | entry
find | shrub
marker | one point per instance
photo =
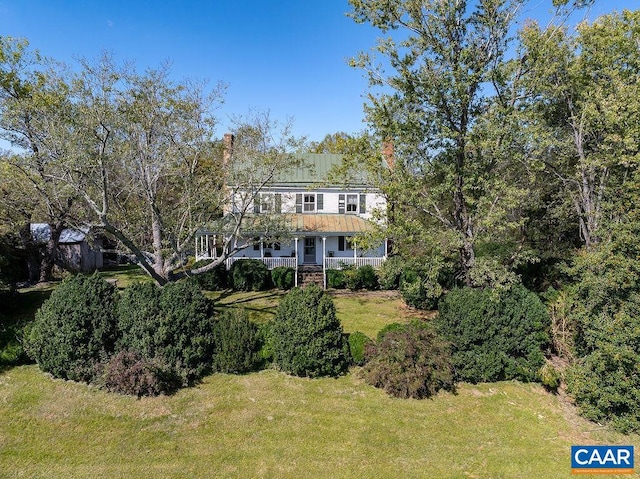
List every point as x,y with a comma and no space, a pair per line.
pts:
387,328
75,328
367,277
184,337
237,343
129,372
352,279
307,336
250,275
495,334
283,277
605,382
390,272
411,363
139,317
212,280
173,324
420,293
550,377
335,278
265,338
357,346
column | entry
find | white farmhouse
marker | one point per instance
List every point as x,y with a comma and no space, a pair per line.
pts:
314,222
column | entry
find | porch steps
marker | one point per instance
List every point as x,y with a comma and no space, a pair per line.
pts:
310,274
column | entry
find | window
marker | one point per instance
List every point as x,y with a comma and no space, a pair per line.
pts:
352,203
309,203
266,203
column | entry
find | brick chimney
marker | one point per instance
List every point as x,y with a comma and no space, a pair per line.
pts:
227,148
387,153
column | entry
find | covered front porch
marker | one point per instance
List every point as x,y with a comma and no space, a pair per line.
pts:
324,241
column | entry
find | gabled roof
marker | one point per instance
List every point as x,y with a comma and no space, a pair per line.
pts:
314,169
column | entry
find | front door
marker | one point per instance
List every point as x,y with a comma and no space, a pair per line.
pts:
310,250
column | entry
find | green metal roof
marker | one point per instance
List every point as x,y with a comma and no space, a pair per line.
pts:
314,169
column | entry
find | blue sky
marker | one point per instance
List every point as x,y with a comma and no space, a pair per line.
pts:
286,56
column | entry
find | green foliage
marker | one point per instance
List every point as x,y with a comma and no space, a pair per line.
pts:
213,280
237,343
495,334
250,275
75,328
550,377
173,324
351,279
307,336
411,363
129,372
184,337
389,328
283,277
335,279
604,381
357,345
139,316
390,272
420,293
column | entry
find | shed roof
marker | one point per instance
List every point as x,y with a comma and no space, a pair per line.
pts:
41,233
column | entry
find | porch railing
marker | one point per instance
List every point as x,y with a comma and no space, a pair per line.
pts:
339,263
270,262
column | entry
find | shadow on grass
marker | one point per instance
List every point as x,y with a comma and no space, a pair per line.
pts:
18,313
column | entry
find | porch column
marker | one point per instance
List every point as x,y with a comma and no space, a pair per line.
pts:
295,283
261,249
355,255
386,247
324,263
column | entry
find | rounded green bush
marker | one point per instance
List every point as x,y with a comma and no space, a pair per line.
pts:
212,280
387,328
495,334
237,343
75,328
367,277
250,275
173,323
283,277
358,342
306,336
335,279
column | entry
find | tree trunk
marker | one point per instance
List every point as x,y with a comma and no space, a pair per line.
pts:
50,253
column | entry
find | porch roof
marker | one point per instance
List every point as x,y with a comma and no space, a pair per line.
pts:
290,224
329,223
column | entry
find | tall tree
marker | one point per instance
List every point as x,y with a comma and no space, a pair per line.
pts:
444,107
134,152
583,111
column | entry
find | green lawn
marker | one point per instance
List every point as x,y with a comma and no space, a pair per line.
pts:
271,425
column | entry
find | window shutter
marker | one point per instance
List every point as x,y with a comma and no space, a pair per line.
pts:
256,203
320,201
341,204
298,202
278,201
340,243
363,204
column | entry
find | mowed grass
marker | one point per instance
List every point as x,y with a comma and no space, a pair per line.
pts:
271,425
